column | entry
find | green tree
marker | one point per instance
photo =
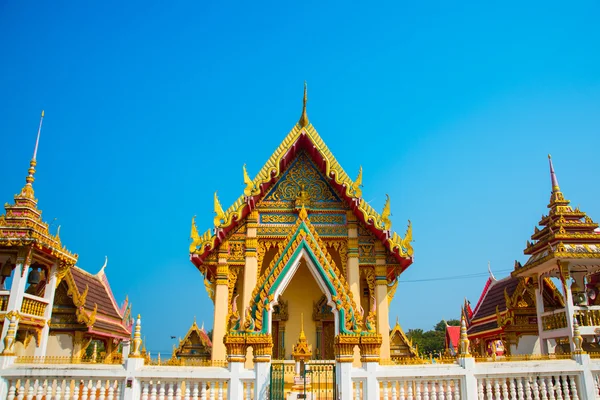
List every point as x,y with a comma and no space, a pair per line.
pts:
431,341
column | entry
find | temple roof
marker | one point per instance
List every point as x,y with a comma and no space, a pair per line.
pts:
303,136
96,304
498,295
398,331
452,336
188,341
565,232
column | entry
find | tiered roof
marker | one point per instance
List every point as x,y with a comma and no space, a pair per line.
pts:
452,338
196,343
565,232
96,304
303,136
22,226
22,223
499,296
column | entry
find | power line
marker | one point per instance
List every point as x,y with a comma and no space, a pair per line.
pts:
453,277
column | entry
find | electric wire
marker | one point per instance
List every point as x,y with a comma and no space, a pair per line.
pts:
453,277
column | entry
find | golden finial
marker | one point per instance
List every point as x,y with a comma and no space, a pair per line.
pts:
303,213
385,214
10,338
27,190
463,347
407,240
219,211
302,335
304,118
137,338
248,182
357,184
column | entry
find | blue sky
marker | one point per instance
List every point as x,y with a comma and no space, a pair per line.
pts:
451,109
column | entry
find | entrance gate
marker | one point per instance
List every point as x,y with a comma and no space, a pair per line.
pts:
317,381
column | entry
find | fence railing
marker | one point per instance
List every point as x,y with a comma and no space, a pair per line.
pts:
541,378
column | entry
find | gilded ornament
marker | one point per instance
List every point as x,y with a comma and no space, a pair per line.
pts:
220,214
385,214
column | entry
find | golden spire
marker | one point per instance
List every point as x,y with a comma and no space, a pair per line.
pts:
27,190
555,187
304,118
302,335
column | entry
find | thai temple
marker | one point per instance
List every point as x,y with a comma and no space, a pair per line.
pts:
48,305
301,271
301,240
526,313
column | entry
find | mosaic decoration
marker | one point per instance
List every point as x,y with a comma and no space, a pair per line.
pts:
302,175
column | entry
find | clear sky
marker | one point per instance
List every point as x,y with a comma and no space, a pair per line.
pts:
450,107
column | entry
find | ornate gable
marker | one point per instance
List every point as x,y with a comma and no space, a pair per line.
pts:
301,171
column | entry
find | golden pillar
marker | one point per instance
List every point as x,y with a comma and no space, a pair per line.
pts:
352,269
251,267
383,323
221,306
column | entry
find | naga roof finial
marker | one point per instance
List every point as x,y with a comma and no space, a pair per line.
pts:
555,187
27,190
490,271
304,118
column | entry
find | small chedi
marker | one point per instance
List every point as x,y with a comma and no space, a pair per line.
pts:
49,307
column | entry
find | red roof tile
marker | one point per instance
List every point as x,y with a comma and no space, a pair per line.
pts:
98,293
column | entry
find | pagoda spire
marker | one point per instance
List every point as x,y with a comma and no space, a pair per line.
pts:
27,190
304,118
555,187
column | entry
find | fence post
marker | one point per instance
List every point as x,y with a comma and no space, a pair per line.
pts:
133,386
468,391
343,372
235,390
588,387
5,362
371,384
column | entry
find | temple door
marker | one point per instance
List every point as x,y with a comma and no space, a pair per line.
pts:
327,340
276,345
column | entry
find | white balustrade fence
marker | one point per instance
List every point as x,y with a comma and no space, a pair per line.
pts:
572,379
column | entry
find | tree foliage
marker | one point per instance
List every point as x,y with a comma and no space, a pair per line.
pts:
432,341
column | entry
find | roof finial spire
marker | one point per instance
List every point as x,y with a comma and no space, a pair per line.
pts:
304,118
490,271
27,190
555,187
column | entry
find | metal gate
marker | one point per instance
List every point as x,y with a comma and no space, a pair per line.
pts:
319,379
277,381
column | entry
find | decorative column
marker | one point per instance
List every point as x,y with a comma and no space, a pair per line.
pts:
17,290
251,267
221,298
236,356
383,323
344,356
539,310
352,269
262,346
135,361
466,360
49,292
569,306
370,348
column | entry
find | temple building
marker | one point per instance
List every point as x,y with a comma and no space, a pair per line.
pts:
44,296
195,346
526,313
401,346
504,319
301,240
